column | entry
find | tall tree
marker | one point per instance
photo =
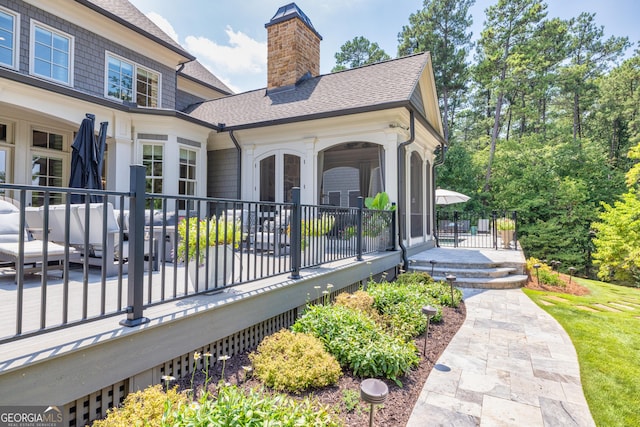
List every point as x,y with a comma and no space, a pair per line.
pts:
617,120
442,28
357,52
589,56
505,48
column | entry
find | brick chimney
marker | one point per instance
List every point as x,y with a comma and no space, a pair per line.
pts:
293,47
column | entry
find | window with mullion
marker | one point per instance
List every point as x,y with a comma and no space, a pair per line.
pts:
153,160
187,179
128,81
51,54
48,160
119,79
8,36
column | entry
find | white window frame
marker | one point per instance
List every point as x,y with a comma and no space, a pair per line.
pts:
181,203
164,163
16,38
32,52
187,180
6,146
50,153
134,92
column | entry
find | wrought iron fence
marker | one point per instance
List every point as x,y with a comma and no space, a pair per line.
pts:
477,229
116,261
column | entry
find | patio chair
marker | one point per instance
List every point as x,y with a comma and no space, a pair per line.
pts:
34,250
59,222
272,235
483,226
95,229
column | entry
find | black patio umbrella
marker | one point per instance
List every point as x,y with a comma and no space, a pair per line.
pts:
86,159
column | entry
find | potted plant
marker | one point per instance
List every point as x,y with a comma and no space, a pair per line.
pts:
313,233
213,239
376,224
506,227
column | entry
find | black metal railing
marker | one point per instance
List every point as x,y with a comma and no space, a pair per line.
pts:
116,261
496,229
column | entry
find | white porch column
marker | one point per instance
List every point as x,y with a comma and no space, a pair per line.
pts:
309,174
249,176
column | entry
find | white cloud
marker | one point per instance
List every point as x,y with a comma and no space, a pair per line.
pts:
242,55
164,25
240,61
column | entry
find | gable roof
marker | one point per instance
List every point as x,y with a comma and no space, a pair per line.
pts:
197,72
128,15
378,86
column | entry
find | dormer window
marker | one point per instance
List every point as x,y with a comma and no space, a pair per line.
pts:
51,54
8,38
128,81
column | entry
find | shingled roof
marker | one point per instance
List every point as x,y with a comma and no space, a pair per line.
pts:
195,71
373,87
128,15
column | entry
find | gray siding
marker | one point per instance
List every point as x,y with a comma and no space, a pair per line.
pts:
89,53
184,99
417,100
222,170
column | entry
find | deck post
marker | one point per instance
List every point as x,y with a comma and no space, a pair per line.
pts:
296,234
135,277
359,222
514,216
394,223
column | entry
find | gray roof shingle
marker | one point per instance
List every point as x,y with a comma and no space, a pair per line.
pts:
371,87
128,15
196,71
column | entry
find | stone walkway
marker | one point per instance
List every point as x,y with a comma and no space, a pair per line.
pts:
510,364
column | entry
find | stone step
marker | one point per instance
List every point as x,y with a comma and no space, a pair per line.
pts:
490,272
509,282
455,264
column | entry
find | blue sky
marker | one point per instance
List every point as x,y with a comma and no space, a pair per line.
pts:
229,38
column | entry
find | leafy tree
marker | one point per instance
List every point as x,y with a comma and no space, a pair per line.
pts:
617,118
358,52
504,49
589,55
617,240
442,28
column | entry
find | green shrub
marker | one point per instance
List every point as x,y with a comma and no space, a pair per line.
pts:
358,342
545,273
362,301
401,304
294,362
414,277
440,291
144,408
235,407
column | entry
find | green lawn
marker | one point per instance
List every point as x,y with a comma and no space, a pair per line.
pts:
608,346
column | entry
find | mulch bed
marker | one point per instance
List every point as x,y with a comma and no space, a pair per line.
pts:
399,403
570,286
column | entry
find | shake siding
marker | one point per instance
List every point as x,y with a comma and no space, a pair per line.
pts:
222,171
89,53
185,99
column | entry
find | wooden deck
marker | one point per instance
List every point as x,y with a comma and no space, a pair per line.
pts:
83,359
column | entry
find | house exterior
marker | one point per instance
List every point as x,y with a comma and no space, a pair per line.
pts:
336,136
